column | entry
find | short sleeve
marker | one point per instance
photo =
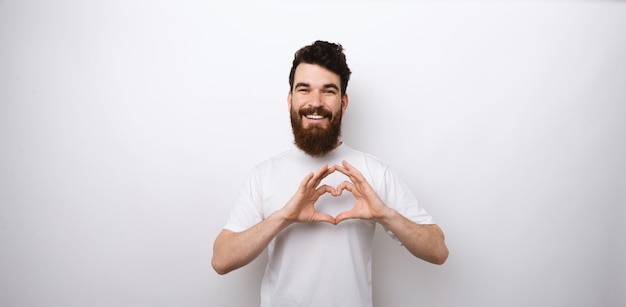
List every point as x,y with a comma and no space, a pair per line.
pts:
247,210
397,195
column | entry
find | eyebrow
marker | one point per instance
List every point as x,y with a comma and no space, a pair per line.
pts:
329,85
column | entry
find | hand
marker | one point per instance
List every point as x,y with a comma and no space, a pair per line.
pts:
301,207
368,205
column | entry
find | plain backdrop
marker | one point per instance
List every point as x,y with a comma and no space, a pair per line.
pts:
127,128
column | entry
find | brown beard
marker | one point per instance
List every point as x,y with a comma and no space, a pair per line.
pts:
316,141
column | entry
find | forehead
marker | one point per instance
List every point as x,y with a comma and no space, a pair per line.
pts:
314,74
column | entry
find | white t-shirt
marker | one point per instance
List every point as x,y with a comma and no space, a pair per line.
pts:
319,264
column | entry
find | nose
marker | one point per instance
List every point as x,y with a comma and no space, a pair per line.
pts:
315,99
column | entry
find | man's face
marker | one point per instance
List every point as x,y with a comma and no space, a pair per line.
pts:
316,106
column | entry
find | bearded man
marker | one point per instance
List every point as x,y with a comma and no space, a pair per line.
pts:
319,230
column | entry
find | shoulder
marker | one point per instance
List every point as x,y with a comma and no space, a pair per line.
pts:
277,159
374,169
288,163
370,161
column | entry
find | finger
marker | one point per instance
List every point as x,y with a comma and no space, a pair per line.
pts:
320,174
326,189
322,169
330,170
353,172
341,169
346,215
314,178
306,180
346,185
349,171
323,217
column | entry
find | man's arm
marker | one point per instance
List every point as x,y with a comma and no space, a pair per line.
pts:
423,241
232,250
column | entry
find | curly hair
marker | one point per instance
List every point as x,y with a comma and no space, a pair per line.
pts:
325,54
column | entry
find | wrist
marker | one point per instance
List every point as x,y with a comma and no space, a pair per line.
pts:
282,218
386,216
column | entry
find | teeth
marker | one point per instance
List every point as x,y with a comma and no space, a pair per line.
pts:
314,116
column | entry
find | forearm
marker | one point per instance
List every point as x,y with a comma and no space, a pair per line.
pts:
423,241
233,250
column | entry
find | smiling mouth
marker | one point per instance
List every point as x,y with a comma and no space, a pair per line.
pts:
316,113
314,116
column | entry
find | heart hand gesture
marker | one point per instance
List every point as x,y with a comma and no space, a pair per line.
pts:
368,205
301,207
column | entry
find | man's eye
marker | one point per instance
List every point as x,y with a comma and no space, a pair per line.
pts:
303,90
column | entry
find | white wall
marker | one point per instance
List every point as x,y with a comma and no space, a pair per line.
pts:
126,128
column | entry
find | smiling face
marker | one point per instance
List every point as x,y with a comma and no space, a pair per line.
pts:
316,106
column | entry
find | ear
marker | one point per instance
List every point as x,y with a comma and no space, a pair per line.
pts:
344,102
289,100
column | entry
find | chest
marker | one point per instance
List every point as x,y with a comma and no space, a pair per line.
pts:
281,187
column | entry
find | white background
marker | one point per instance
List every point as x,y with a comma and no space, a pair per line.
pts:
127,127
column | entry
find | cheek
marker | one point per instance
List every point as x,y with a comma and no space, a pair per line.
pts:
296,104
339,108
332,104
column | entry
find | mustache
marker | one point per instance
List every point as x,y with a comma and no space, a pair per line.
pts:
316,110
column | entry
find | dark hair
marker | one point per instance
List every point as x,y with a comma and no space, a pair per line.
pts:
325,54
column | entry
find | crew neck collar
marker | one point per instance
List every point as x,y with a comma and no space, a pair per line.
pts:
337,151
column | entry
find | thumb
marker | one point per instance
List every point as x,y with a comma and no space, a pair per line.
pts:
346,215
323,217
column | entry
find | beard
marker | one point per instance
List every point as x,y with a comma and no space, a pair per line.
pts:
316,141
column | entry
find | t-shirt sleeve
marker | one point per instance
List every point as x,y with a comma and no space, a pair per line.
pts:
397,195
247,210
